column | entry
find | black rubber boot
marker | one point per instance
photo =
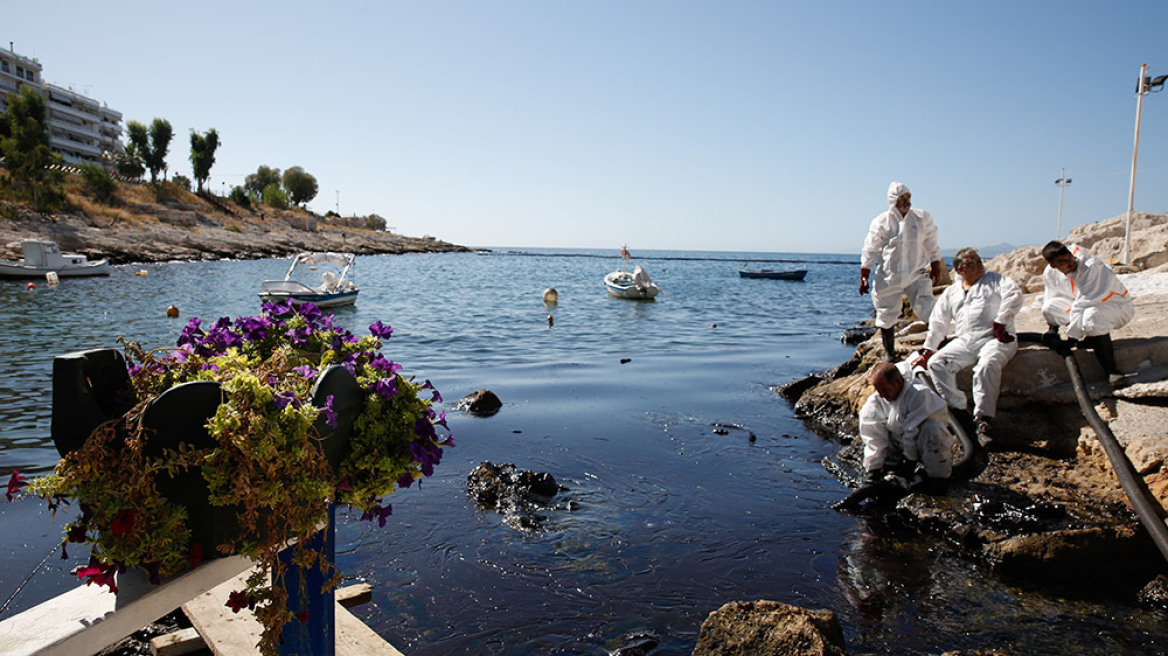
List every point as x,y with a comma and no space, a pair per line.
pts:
888,336
1105,353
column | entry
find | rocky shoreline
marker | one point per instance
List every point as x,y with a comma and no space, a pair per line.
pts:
187,227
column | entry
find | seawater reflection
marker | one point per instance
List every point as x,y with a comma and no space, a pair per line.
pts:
663,519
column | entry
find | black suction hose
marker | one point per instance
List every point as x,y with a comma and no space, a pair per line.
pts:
1132,484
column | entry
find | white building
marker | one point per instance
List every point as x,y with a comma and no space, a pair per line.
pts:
81,129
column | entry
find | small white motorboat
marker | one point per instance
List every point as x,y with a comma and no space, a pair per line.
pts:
635,285
334,290
44,257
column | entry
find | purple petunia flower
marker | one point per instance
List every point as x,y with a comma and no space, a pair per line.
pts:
380,330
423,428
384,365
307,371
284,398
299,336
442,421
277,308
379,512
405,480
330,415
253,329
385,388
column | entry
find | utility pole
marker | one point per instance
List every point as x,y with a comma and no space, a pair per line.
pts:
1062,182
338,202
1141,89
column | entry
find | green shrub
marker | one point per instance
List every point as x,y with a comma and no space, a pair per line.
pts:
182,181
240,197
275,196
98,182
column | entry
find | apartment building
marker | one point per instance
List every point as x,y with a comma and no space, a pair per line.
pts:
80,128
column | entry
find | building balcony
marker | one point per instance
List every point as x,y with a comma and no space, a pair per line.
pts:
84,131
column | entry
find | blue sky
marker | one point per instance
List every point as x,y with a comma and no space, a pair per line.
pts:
672,124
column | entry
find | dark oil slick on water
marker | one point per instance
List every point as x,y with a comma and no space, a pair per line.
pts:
665,517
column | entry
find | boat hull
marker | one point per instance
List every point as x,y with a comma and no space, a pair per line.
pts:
791,274
340,299
13,270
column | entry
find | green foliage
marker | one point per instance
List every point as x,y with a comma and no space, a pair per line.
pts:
275,196
301,186
181,180
255,183
150,144
331,215
26,151
128,163
98,182
374,222
203,155
239,197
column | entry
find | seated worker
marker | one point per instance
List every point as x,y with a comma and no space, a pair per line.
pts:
980,306
1087,297
905,419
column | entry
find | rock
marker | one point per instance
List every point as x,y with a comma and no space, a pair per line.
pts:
1155,593
517,495
636,643
764,628
1084,554
482,403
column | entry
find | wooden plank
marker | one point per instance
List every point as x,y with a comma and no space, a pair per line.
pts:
82,621
188,640
228,633
177,643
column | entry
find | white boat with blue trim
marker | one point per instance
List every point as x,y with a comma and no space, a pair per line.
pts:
334,290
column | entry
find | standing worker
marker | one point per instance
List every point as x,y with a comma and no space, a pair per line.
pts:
901,249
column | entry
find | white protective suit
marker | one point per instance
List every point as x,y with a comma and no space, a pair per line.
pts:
971,313
898,250
1089,302
913,423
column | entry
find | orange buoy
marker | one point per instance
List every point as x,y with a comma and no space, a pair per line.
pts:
172,311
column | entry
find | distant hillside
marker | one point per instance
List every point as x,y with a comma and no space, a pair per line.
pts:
148,223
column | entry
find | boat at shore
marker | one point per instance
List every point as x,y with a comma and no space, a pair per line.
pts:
787,274
335,288
635,285
44,257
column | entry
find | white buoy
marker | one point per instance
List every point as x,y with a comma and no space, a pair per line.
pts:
52,278
551,296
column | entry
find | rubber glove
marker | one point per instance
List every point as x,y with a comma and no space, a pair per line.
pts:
936,272
864,273
923,360
1001,334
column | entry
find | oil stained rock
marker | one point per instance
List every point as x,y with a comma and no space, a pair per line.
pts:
482,403
518,495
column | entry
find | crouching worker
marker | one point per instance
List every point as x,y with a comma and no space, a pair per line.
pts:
1084,295
903,421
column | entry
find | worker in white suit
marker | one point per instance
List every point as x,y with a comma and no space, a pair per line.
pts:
905,418
900,257
1084,295
979,307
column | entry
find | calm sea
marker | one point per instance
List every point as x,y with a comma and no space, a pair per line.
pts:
671,510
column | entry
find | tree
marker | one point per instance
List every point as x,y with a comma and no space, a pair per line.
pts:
275,196
255,183
203,155
240,197
375,222
98,182
26,151
300,185
128,163
181,180
151,144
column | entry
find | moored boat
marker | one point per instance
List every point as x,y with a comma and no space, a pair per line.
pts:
335,288
43,257
635,285
787,274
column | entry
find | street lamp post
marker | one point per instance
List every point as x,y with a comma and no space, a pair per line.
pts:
1062,182
338,202
1144,86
